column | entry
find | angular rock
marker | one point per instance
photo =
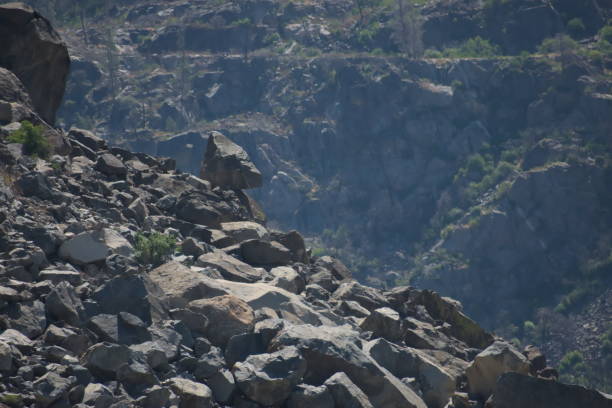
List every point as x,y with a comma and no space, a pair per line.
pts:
309,396
28,318
230,268
294,242
105,359
191,393
195,210
228,316
258,252
222,385
338,269
329,350
500,357
137,295
49,388
57,276
180,285
63,304
384,322
87,138
245,230
367,297
94,246
517,390
345,393
436,385
287,278
209,364
97,395
269,378
66,338
110,165
36,54
6,357
228,166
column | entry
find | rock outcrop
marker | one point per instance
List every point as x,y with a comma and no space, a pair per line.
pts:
35,53
227,165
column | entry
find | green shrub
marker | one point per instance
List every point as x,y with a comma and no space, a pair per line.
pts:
433,53
155,248
32,138
558,44
476,47
605,34
575,27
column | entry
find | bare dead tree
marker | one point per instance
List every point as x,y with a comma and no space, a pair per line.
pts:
408,28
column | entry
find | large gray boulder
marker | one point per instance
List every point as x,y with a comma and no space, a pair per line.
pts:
259,252
435,383
329,350
228,166
191,394
95,246
517,390
35,53
500,357
180,285
345,393
229,267
227,316
269,378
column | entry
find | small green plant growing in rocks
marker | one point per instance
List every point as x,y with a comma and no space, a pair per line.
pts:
32,138
155,248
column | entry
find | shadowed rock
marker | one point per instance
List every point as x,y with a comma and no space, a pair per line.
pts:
228,166
35,53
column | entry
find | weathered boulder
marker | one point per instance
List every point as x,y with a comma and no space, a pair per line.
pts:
192,394
384,322
110,165
500,357
179,285
230,268
269,378
228,166
345,393
245,230
227,316
435,383
87,138
94,246
287,278
137,295
196,210
517,390
308,396
366,296
222,385
105,359
35,53
293,241
97,395
63,304
49,388
259,252
329,350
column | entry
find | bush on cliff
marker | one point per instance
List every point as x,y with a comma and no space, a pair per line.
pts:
32,138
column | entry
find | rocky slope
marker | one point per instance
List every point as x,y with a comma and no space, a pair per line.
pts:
239,315
483,177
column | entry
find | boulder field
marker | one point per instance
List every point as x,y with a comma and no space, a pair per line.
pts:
98,308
